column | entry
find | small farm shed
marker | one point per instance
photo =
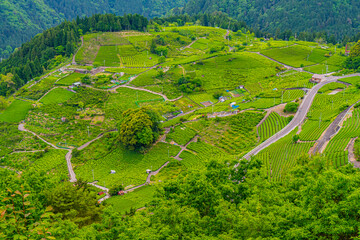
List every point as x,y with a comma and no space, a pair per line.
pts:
316,78
112,171
77,84
222,99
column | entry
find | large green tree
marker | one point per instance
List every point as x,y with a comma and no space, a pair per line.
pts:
139,128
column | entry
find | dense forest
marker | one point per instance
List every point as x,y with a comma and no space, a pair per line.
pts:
21,20
335,17
51,47
315,201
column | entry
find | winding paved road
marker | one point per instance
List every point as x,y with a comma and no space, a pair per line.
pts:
297,120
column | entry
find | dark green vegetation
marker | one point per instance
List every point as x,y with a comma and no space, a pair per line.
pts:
283,17
208,200
21,20
50,49
139,128
310,19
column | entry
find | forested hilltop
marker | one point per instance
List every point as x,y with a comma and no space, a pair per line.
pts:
333,16
23,19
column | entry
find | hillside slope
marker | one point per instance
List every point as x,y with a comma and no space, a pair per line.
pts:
23,19
334,16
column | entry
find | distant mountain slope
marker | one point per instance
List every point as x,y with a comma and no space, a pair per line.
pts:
23,19
339,17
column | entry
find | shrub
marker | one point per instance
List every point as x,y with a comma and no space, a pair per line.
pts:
291,107
114,190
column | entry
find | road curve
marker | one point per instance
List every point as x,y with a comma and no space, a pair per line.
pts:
72,175
297,120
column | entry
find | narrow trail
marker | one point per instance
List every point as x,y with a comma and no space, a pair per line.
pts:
184,148
148,179
189,46
73,59
351,155
72,175
23,129
47,93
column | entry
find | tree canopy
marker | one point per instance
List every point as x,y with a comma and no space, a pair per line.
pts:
139,128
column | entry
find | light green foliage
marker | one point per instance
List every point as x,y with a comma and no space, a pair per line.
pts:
124,99
351,80
57,95
38,90
108,56
328,106
281,156
355,50
291,95
332,86
291,107
52,162
130,166
233,70
181,135
294,55
235,134
16,112
139,128
336,149
311,130
10,138
133,200
69,80
273,124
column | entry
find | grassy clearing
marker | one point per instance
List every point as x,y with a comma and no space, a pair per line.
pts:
16,112
57,95
351,80
136,199
108,56
322,68
294,55
92,43
230,71
69,80
181,135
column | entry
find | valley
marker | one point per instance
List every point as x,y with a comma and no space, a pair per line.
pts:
137,122
79,105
